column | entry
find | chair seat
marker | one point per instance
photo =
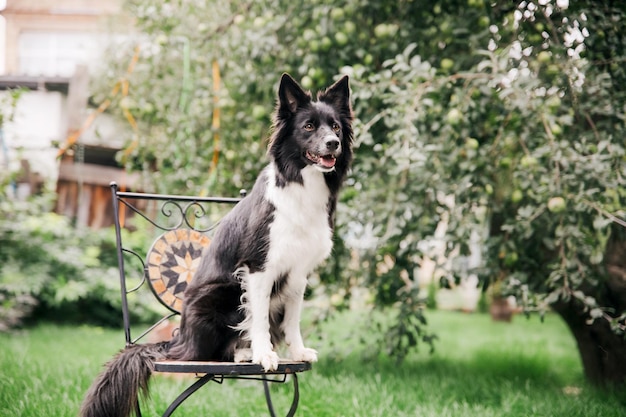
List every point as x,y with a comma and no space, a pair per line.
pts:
229,368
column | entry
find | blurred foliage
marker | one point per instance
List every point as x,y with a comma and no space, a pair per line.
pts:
51,270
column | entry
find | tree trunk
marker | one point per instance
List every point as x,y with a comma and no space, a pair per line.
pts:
603,351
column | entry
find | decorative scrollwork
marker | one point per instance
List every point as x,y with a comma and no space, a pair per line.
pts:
198,211
193,215
166,210
143,268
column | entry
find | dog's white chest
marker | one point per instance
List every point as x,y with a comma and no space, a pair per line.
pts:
300,234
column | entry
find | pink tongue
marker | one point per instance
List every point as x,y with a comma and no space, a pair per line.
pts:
327,161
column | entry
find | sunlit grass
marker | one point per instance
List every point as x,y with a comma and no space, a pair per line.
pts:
479,368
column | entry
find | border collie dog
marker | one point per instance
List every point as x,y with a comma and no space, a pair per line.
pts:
247,294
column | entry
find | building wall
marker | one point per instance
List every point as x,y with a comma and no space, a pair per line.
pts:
60,40
80,23
50,38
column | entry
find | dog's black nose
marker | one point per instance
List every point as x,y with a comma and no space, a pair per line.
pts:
332,144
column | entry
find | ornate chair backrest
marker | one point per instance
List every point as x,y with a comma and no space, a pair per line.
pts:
183,226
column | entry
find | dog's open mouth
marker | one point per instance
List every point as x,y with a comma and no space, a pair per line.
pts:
324,161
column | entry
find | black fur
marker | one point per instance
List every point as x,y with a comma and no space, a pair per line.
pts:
212,301
115,392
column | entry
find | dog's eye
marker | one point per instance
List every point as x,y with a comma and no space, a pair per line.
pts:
309,127
336,128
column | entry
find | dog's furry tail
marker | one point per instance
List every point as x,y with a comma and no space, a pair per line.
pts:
116,390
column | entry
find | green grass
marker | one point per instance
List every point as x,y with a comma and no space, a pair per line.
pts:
480,368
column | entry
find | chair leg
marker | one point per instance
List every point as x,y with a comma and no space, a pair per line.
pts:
296,396
294,403
185,394
268,397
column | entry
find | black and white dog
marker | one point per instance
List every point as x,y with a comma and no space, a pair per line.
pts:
248,292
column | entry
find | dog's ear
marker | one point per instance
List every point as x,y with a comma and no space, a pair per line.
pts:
291,95
338,95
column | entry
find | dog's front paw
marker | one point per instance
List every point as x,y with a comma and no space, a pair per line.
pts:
268,360
304,355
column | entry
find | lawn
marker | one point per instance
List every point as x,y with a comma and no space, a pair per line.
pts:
479,368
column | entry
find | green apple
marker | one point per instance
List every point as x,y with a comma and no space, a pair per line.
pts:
556,129
506,162
349,27
341,38
528,161
556,205
258,112
544,57
337,13
381,31
326,43
447,64
307,82
472,143
454,117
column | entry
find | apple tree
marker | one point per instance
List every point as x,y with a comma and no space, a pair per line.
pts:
521,147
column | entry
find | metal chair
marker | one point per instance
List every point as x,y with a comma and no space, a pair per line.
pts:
185,225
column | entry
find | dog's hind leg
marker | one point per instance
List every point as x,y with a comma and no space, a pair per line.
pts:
291,322
243,355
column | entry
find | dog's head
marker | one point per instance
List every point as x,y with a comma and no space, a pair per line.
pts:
311,132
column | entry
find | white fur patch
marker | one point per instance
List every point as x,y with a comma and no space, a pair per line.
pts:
300,238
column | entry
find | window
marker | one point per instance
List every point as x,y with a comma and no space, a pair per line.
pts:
55,53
